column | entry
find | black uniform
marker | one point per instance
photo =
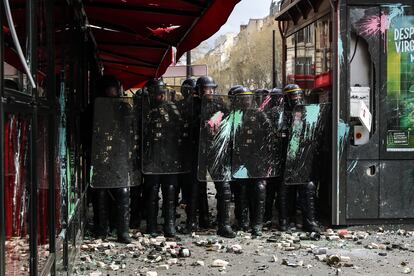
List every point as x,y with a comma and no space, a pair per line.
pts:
205,86
185,106
113,158
287,194
163,156
251,159
275,112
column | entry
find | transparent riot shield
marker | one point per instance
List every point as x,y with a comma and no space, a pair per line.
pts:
215,138
305,135
165,135
256,142
114,144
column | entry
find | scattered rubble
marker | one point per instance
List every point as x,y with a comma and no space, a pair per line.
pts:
332,249
219,263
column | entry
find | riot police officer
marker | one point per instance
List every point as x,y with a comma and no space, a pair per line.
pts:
188,88
241,211
162,142
114,186
205,87
276,107
247,148
287,195
185,106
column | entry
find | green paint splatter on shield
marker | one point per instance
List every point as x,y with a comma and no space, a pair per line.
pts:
294,139
312,117
241,172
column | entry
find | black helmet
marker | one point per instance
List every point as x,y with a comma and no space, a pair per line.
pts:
187,87
243,97
204,81
243,91
235,90
277,97
293,95
155,87
261,92
277,91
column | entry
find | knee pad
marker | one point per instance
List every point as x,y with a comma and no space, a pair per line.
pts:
311,187
261,189
124,192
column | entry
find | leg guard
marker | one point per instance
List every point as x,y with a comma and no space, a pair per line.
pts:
223,210
308,194
282,198
151,204
259,206
168,197
203,212
122,198
102,213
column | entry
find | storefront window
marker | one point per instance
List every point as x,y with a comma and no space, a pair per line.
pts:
42,192
309,58
17,130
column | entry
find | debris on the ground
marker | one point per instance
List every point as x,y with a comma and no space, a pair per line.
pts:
339,251
172,261
114,267
199,263
95,273
333,238
163,267
342,232
291,263
321,257
320,250
184,253
219,263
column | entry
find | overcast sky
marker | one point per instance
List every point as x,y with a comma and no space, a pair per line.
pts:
241,14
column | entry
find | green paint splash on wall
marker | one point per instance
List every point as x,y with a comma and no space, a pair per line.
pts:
341,50
343,130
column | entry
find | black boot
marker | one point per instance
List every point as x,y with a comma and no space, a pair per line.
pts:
191,208
151,205
168,198
223,210
122,197
102,213
282,198
308,193
259,206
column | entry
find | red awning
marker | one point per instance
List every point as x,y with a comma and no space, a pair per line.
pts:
135,37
